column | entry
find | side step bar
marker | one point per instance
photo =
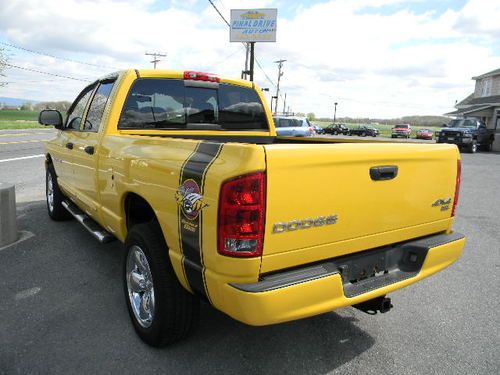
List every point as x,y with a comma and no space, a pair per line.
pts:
101,234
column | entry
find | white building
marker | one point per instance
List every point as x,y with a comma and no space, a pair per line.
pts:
483,103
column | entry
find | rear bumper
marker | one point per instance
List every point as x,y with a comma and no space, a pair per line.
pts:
320,288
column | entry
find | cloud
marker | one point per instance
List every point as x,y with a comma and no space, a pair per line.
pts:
379,64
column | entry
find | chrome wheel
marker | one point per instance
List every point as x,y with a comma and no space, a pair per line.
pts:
50,192
140,287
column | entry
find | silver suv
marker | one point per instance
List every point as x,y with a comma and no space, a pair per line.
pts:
293,126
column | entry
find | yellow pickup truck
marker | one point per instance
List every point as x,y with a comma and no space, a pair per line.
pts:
186,170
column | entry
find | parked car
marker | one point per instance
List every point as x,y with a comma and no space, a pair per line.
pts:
468,134
336,129
364,130
318,129
401,130
425,134
293,126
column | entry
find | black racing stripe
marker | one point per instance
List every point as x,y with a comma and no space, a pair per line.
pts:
195,170
179,213
201,219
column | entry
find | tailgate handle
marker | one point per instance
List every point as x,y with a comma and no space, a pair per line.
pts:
384,173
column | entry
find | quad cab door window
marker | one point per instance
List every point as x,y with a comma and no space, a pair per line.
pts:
77,109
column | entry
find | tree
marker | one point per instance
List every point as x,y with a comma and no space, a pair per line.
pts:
3,61
311,116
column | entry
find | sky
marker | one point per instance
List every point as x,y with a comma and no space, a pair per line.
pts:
375,58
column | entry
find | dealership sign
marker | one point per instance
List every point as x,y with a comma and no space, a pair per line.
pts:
253,25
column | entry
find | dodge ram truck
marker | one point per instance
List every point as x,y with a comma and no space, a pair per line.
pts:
186,170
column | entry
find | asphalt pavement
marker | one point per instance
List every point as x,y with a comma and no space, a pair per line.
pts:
63,311
21,160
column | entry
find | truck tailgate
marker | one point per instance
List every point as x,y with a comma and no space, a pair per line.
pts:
324,194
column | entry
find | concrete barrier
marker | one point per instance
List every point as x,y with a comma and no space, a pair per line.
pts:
8,221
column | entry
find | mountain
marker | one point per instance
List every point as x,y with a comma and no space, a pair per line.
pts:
15,101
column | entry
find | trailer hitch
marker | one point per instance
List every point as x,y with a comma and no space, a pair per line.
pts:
371,307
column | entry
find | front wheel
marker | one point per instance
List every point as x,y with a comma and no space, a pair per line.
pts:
472,147
54,196
162,311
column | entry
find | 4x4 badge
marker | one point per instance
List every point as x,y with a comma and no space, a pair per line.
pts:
443,203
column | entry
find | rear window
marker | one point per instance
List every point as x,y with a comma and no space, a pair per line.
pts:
171,104
402,126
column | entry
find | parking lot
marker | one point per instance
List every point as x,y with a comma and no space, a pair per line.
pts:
63,309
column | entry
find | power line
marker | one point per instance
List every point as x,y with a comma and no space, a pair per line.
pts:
47,73
220,14
57,57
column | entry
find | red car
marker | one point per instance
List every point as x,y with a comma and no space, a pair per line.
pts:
425,134
401,130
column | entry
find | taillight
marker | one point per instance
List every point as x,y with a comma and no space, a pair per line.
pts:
457,186
201,76
242,211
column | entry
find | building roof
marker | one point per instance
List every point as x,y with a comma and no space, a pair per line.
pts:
471,110
494,100
495,72
465,101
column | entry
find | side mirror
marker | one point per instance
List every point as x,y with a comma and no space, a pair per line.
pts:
51,117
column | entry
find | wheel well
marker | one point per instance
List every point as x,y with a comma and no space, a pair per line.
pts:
138,210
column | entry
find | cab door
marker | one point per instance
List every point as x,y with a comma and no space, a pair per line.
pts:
86,150
64,149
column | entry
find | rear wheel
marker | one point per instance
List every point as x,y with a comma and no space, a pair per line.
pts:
488,146
54,196
162,311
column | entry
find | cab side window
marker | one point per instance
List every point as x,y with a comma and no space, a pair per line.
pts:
75,112
97,106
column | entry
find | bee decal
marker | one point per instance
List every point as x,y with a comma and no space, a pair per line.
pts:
190,200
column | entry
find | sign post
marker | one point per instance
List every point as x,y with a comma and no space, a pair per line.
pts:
253,25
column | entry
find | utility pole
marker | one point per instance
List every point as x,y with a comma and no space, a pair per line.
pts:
155,57
280,73
284,104
335,113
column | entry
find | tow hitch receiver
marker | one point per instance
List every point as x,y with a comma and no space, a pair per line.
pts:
371,307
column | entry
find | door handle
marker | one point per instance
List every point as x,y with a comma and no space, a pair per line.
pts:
69,146
384,172
89,150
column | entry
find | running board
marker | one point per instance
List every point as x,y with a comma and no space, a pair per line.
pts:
101,234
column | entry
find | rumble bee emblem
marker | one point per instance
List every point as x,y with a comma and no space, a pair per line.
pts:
443,203
189,198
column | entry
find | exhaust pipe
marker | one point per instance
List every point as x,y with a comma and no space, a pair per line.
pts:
372,306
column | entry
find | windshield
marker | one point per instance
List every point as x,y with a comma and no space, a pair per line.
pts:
170,104
401,126
464,123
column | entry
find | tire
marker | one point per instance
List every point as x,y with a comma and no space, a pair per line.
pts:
488,146
393,136
54,197
472,147
363,134
174,311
